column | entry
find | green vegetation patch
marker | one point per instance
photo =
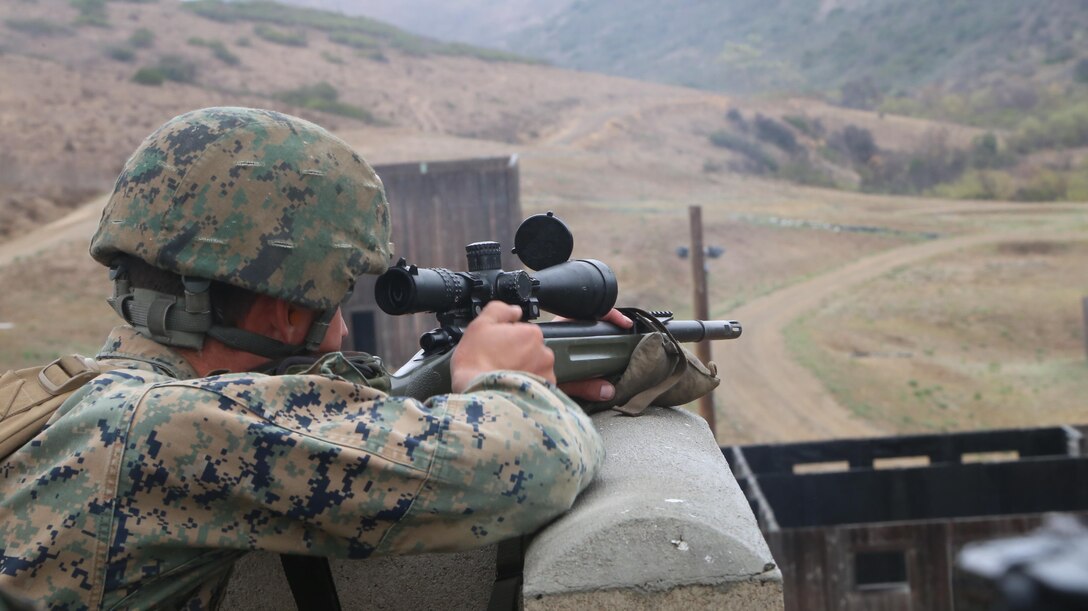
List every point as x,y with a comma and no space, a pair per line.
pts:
356,32
120,53
325,98
1064,128
280,37
169,68
142,38
756,158
218,49
801,150
149,75
36,27
91,12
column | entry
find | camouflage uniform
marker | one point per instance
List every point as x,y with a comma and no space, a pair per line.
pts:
150,482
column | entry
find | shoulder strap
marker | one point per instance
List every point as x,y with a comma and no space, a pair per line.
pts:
312,585
29,397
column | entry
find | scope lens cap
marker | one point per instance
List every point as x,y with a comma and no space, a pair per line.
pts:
542,240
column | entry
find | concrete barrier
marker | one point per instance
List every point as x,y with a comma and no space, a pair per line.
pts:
664,526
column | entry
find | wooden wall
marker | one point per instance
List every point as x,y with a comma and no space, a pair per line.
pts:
819,565
437,208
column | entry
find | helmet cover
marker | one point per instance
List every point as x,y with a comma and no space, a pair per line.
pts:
253,198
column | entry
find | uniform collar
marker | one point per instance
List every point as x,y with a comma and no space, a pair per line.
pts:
126,344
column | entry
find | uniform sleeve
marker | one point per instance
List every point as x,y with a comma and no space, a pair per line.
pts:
515,456
313,465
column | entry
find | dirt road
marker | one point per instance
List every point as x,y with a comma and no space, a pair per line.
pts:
79,224
770,397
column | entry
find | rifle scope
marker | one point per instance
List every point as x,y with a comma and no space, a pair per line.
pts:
583,289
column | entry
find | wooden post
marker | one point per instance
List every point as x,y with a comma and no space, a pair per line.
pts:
702,305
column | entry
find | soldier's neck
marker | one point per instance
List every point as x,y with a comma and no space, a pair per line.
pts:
216,357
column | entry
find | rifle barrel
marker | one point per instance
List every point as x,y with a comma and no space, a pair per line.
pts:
683,330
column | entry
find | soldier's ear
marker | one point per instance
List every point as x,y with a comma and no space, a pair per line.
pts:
294,322
278,319
267,316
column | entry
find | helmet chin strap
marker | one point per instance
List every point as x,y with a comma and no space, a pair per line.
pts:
185,321
267,347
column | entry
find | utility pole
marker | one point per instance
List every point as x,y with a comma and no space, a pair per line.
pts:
702,305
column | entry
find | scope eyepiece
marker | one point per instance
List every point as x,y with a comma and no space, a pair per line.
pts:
407,290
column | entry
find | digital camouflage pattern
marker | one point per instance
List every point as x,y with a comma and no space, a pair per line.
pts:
149,482
254,198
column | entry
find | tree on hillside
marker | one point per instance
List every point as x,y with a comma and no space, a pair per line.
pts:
861,93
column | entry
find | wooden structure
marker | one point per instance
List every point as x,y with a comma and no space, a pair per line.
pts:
877,523
437,208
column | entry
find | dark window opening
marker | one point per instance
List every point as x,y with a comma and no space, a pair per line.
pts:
363,338
883,570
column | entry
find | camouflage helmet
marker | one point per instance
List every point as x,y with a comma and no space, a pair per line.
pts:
253,198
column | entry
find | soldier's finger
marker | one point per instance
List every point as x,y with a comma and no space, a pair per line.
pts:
617,318
589,390
500,312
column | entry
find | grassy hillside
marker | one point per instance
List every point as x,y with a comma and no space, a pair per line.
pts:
86,80
859,49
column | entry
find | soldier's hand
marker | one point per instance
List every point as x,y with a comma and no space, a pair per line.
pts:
497,340
596,389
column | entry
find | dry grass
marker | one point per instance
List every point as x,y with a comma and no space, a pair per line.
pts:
58,306
990,337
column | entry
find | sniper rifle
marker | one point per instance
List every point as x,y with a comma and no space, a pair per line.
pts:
581,290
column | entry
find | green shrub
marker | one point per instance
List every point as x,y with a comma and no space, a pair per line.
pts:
987,152
219,50
332,59
223,54
36,27
757,160
91,12
149,76
1080,71
773,132
978,184
858,143
280,37
1064,128
324,97
142,38
242,42
169,68
120,53
801,171
177,68
355,40
813,128
1077,190
375,55
734,117
1045,186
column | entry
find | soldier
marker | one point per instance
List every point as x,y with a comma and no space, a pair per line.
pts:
232,235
